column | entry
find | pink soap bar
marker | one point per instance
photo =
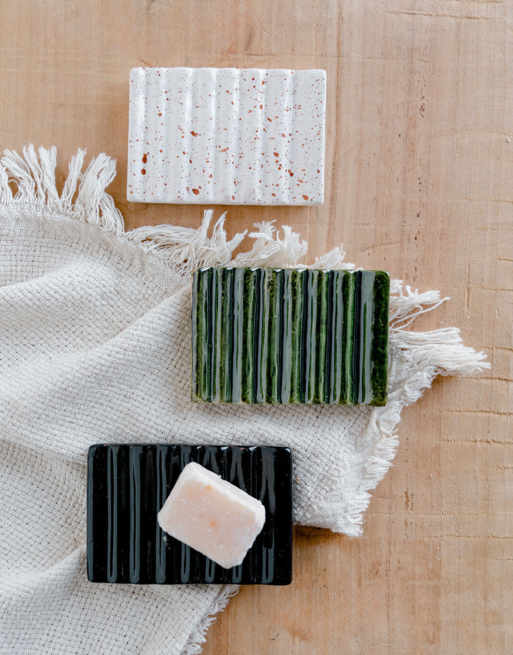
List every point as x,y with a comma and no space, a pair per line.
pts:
212,516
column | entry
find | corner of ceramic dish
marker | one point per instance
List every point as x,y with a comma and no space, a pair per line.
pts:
137,73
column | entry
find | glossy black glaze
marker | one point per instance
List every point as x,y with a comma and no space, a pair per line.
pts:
128,484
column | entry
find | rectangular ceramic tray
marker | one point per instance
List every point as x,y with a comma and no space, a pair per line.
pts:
226,136
127,486
262,335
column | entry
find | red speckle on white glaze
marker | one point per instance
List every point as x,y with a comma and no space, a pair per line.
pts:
246,143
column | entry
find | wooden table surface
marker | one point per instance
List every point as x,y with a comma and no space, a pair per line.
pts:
419,181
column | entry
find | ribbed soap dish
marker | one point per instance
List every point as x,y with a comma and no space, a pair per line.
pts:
280,336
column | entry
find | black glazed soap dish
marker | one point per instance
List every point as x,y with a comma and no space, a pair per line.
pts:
127,486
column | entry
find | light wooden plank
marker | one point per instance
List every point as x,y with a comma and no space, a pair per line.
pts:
418,182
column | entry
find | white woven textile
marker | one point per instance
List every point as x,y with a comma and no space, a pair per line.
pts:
95,347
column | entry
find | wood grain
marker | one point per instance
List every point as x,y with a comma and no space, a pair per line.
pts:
419,182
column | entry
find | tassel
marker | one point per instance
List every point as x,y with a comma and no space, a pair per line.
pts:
5,191
185,248
193,645
70,186
48,163
19,172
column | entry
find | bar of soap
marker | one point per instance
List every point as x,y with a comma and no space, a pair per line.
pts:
284,336
212,516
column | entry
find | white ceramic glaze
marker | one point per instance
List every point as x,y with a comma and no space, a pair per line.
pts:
226,136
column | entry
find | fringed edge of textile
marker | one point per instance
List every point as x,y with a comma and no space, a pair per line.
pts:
194,645
183,248
439,352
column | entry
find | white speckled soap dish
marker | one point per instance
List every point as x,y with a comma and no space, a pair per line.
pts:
226,136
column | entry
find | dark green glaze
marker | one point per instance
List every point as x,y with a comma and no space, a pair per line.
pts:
216,343
250,321
379,376
321,330
337,334
296,338
227,339
238,334
348,300
261,333
309,350
275,290
288,336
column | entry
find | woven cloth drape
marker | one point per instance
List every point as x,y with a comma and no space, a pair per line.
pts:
95,347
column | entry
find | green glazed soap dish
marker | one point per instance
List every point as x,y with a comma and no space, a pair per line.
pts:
282,336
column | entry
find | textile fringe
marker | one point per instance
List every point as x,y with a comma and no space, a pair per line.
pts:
183,248
194,645
35,179
439,352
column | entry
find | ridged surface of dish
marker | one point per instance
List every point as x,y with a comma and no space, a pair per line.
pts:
226,136
278,336
128,485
